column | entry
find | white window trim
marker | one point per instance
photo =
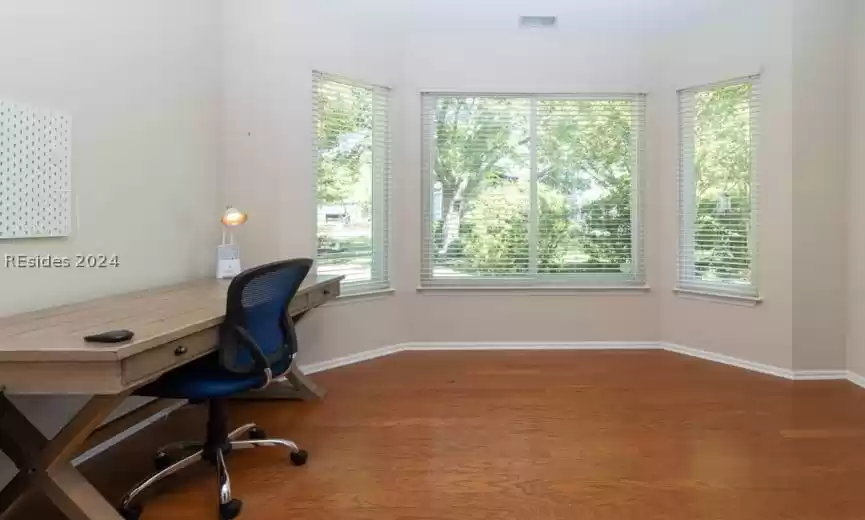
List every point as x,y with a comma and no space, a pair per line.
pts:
540,284
535,290
718,291
381,191
713,296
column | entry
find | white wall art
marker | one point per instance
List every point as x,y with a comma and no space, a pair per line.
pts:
35,173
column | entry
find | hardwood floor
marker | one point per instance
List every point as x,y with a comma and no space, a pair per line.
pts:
535,436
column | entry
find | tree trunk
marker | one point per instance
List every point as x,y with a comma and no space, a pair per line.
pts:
448,196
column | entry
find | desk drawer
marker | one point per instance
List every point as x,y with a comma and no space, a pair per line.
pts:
313,298
299,304
325,294
153,362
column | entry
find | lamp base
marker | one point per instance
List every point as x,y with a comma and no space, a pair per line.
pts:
227,261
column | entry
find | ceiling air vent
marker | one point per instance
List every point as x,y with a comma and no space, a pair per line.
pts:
537,21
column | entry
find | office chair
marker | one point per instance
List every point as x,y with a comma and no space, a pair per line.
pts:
256,342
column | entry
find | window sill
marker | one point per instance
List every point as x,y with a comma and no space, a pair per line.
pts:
719,297
531,290
374,294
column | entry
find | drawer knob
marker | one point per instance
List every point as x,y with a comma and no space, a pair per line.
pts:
180,350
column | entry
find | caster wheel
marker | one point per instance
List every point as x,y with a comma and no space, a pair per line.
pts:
299,458
132,512
162,460
230,510
257,434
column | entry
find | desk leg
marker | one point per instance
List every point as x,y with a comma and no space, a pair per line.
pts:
44,465
295,385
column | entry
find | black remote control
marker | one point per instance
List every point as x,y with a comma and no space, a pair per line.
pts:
112,336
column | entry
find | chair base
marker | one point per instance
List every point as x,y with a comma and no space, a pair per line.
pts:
166,465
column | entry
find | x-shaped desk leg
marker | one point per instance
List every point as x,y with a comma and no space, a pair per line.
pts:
44,465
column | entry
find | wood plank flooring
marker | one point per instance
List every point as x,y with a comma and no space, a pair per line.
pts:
531,436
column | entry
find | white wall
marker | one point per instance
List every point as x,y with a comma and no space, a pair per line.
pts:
516,61
270,53
270,48
800,48
856,194
749,39
820,133
139,80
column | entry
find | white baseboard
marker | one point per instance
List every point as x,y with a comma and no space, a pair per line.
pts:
312,368
772,370
798,375
729,360
820,375
366,355
493,345
125,434
856,379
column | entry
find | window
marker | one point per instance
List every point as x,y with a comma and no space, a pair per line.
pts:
352,165
532,190
718,188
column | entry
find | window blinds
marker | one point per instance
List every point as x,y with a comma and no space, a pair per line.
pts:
351,154
532,190
718,187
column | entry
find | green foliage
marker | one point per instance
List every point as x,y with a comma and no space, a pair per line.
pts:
587,145
606,231
494,234
479,141
585,171
584,163
726,255
344,139
582,143
555,229
583,147
495,239
722,143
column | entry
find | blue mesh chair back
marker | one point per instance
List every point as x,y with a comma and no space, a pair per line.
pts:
257,322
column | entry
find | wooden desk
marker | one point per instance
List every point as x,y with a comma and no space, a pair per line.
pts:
43,352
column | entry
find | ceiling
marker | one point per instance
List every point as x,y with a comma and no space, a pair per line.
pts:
573,15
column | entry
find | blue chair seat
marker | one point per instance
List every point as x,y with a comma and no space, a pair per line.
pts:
204,379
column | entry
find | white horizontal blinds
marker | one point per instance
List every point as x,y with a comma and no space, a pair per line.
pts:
480,188
588,162
718,187
353,171
532,189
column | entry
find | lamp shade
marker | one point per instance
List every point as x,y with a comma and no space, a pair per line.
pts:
233,217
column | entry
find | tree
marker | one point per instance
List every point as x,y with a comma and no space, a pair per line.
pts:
474,136
495,237
586,147
344,138
344,149
584,158
722,144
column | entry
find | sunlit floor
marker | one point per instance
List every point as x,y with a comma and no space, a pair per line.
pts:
533,435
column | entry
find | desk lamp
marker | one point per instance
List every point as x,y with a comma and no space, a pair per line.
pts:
228,254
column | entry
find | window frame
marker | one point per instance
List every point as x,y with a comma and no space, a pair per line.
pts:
687,203
536,282
381,193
